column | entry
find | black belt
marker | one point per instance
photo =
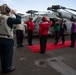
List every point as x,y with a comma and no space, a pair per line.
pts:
5,35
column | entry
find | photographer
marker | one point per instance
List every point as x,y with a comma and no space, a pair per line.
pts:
6,37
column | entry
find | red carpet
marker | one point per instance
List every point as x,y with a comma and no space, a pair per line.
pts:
49,46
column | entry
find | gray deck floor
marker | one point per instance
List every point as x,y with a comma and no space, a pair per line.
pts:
55,62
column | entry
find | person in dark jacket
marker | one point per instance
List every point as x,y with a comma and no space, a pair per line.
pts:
43,32
73,34
63,29
6,37
30,26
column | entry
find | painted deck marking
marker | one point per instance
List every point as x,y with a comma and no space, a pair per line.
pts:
58,65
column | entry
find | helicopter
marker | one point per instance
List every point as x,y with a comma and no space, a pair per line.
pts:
65,14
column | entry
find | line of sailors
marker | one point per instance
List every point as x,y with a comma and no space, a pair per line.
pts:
6,35
59,30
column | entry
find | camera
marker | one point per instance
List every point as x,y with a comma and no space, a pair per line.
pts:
5,9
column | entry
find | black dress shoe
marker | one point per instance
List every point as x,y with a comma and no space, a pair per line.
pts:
71,46
8,70
18,46
42,52
21,46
